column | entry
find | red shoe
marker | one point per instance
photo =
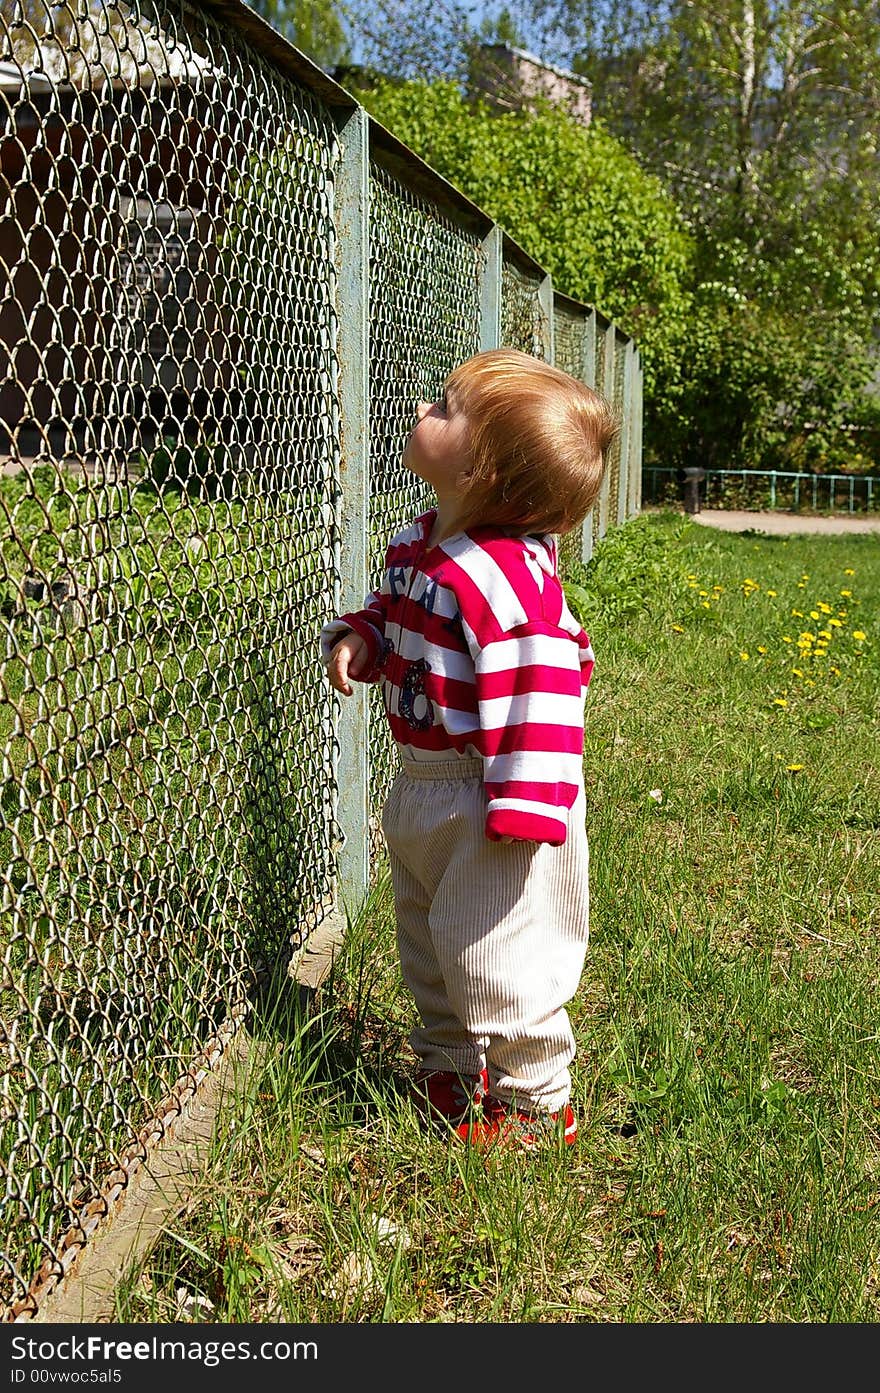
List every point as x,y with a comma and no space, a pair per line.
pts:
442,1095
503,1123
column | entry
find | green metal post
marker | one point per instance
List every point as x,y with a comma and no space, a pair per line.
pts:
352,214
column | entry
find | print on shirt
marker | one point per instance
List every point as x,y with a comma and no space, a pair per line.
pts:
411,689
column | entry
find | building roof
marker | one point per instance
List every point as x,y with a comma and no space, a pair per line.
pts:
527,57
126,57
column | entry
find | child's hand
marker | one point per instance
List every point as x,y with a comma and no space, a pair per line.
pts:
348,659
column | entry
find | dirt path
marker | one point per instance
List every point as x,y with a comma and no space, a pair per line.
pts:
786,524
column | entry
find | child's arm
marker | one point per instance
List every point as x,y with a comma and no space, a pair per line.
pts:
530,686
366,625
348,659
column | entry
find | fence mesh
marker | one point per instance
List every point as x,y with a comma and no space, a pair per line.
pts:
171,493
521,318
425,277
569,329
169,461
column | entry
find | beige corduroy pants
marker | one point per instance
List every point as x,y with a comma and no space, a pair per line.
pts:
492,936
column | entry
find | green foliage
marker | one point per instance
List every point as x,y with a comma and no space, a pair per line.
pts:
316,29
630,568
748,269
572,197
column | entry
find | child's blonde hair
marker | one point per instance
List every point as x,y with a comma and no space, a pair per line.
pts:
539,442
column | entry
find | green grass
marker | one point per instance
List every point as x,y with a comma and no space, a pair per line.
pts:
727,1079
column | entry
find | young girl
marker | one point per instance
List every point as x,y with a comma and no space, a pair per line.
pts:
484,673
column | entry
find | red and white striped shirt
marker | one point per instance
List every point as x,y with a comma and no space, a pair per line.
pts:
479,656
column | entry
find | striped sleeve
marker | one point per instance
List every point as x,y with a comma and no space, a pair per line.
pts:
530,696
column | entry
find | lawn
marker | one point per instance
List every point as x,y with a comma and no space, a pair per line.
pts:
728,1075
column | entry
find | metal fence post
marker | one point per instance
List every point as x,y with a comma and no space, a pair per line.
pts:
588,372
490,290
606,386
636,438
547,327
626,432
352,226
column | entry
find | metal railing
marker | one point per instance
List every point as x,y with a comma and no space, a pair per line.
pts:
222,290
757,489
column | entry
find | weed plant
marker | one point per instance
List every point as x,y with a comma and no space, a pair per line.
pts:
727,1078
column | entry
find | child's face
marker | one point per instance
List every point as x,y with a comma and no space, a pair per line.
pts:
438,450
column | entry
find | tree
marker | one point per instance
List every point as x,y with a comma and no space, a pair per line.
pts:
574,198
314,27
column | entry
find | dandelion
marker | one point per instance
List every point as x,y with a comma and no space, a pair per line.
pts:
807,638
797,672
835,624
794,767
848,571
779,701
677,629
826,634
796,614
704,593
826,609
761,648
847,594
814,614
705,604
859,635
835,670
745,657
771,593
786,638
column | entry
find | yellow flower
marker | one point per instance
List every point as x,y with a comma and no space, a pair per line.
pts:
705,604
835,623
820,649
842,613
858,634
847,594
677,629
745,657
761,649
825,633
848,571
835,670
814,614
794,767
771,593
826,609
704,592
779,701
785,638
806,637
796,614
797,672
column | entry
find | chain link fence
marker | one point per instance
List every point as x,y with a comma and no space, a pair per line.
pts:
222,292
